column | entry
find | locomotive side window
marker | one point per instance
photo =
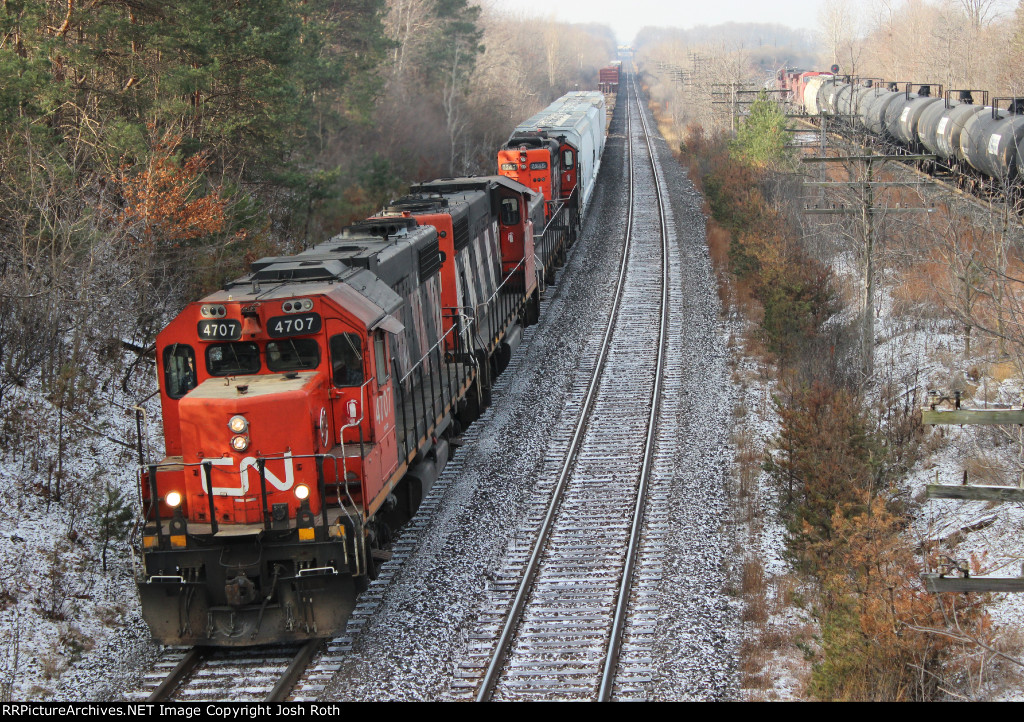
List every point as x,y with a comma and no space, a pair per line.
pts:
568,159
232,359
179,370
347,360
293,354
509,211
380,351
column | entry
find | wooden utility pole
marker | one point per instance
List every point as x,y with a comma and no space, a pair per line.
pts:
961,579
867,210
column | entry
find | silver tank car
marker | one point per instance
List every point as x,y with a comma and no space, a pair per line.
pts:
875,107
940,125
910,114
811,89
991,141
827,96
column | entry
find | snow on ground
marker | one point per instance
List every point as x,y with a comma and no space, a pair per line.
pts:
913,353
69,630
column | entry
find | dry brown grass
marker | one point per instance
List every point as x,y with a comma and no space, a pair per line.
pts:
718,245
755,608
918,295
754,665
985,469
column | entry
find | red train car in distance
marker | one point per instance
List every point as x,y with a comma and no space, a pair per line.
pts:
608,79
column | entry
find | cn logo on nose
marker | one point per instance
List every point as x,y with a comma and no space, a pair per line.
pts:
247,465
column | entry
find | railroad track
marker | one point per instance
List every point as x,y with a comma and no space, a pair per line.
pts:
561,607
251,674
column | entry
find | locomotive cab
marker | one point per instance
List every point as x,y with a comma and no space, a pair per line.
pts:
534,160
280,431
518,214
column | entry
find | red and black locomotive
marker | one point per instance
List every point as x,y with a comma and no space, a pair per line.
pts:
308,406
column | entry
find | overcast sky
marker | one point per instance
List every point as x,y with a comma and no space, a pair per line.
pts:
626,17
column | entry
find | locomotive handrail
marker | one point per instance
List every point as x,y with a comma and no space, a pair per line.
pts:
449,376
495,299
359,541
502,284
432,348
261,469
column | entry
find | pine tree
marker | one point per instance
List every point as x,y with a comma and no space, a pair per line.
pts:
113,515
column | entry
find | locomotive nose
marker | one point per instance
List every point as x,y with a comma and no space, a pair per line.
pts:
246,440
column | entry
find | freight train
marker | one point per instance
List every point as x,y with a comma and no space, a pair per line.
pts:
977,143
309,405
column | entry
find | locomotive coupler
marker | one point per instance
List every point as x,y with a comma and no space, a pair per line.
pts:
240,591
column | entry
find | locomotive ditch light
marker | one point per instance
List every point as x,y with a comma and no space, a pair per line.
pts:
173,499
279,516
302,492
179,529
238,424
240,443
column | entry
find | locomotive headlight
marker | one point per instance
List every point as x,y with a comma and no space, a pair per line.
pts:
240,443
173,500
302,492
238,424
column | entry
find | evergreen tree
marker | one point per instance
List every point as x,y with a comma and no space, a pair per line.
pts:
113,516
762,139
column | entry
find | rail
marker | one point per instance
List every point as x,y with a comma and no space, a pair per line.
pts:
502,651
226,667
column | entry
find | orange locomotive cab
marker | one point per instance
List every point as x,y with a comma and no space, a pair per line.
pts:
534,160
286,439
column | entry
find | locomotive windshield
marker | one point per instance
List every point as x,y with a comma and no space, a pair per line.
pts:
179,370
347,360
232,359
293,354
509,211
